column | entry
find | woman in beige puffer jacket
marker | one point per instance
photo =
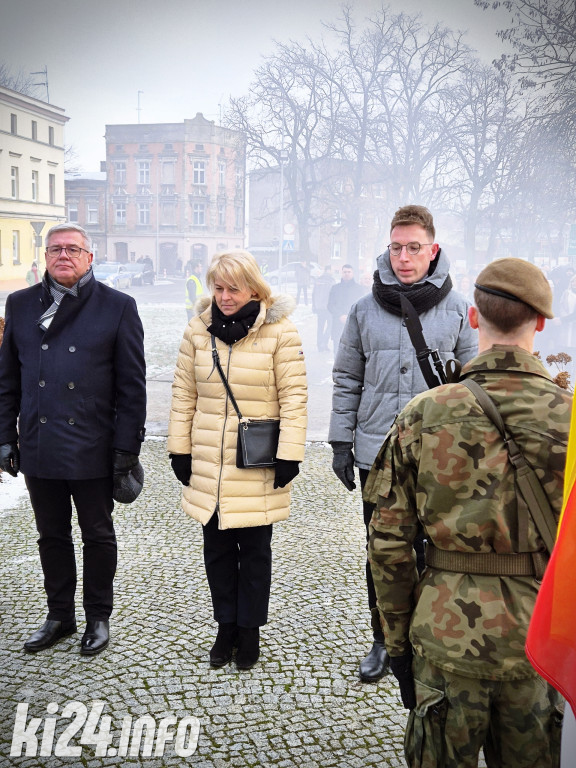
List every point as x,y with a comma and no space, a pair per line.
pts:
261,354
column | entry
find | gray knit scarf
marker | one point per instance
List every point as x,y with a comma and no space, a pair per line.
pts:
58,292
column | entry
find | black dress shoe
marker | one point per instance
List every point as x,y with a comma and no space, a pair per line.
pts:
95,638
376,664
49,634
248,651
226,640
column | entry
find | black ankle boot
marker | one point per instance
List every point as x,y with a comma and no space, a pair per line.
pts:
376,664
248,651
221,651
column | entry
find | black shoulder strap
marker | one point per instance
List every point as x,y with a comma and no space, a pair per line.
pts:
218,366
528,482
423,352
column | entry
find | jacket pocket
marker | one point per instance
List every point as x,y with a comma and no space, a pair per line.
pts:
424,738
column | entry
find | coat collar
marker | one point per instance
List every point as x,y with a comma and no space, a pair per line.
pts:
282,306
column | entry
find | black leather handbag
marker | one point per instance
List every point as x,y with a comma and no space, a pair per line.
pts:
257,438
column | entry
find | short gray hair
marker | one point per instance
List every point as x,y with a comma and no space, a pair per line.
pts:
68,226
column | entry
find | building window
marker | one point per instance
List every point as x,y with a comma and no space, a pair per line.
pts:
13,123
337,222
221,215
168,172
120,173
199,172
73,212
336,251
120,213
168,213
15,247
221,173
144,172
239,178
51,135
34,130
143,213
15,182
92,212
35,186
199,214
51,189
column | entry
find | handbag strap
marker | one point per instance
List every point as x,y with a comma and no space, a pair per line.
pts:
217,364
527,479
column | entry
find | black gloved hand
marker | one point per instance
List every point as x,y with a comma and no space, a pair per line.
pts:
182,466
343,463
123,462
10,458
285,472
401,667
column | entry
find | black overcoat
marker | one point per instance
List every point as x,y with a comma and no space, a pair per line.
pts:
75,392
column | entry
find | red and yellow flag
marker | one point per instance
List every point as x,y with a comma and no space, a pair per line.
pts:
551,641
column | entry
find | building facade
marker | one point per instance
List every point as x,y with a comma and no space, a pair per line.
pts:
175,192
31,180
86,196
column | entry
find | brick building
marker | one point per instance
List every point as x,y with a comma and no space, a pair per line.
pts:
86,206
175,192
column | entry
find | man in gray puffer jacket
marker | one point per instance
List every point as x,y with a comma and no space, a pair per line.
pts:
376,372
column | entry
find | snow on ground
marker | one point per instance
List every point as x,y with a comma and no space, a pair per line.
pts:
12,489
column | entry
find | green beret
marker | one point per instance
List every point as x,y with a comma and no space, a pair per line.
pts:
517,280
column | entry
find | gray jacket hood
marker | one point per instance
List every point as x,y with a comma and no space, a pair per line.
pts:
389,278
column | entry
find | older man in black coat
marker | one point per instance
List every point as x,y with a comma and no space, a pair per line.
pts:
72,413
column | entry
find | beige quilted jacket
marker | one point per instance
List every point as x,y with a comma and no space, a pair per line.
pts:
267,376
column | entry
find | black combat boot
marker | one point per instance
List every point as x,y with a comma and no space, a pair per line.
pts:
248,651
226,640
377,662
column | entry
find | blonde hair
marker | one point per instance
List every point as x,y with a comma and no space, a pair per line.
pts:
240,270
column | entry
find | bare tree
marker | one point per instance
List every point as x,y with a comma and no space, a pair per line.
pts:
19,81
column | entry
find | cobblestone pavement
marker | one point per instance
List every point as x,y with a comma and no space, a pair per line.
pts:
301,705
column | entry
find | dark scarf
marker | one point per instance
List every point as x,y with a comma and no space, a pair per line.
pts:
57,292
422,297
232,328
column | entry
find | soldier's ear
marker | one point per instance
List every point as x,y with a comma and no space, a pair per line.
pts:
473,317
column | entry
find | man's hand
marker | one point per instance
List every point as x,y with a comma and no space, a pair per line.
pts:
343,463
10,458
123,462
401,667
285,472
182,466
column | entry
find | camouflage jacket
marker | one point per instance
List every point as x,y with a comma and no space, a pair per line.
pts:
444,464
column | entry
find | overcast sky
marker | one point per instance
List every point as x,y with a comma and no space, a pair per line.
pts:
186,56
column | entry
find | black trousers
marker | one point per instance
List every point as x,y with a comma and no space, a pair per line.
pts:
419,543
52,504
238,565
323,329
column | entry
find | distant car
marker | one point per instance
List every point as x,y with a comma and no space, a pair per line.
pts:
141,274
112,274
287,273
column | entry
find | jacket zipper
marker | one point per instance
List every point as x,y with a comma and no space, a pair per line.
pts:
217,509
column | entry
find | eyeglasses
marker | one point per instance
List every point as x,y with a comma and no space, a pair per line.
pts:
73,251
411,248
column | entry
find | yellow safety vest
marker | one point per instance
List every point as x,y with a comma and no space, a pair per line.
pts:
199,291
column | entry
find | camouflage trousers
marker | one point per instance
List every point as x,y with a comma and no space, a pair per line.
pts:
518,723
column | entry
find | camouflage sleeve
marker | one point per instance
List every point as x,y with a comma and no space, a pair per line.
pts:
393,528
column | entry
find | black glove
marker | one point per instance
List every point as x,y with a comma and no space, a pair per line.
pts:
123,462
286,471
182,466
401,667
10,458
343,463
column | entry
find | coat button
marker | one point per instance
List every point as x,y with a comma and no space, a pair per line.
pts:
403,369
71,421
43,419
71,385
42,383
72,349
44,346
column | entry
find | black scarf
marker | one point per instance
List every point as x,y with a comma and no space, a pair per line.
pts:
232,328
422,297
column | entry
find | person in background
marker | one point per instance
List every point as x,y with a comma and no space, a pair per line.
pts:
261,352
320,294
194,289
376,371
342,296
32,276
72,414
456,633
302,281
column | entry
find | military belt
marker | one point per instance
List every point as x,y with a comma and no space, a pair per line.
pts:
487,563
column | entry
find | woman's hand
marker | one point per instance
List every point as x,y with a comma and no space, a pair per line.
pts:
182,466
286,471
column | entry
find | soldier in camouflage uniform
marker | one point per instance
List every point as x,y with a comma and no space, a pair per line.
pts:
456,635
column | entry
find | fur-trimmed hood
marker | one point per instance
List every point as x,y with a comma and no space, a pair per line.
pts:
282,306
